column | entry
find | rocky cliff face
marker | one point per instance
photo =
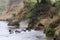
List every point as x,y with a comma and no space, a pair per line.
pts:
3,4
13,7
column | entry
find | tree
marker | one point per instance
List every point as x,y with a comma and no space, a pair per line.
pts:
39,10
38,1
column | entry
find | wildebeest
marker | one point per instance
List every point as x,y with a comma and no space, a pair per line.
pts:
10,31
17,31
24,30
28,29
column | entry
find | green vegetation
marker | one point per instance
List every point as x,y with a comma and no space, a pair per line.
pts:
58,7
41,10
50,32
3,5
38,11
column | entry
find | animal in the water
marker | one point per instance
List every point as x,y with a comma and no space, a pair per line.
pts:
17,31
10,31
24,30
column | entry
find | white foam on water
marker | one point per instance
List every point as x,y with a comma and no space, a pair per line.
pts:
3,28
28,35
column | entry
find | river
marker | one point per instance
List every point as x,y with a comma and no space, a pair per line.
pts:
32,35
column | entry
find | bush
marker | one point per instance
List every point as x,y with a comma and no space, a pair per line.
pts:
50,32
